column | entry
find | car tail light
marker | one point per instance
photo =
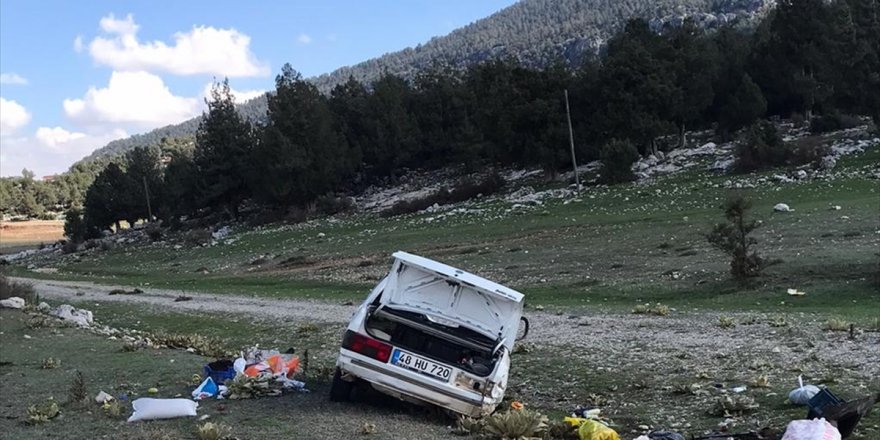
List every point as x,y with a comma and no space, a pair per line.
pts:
366,346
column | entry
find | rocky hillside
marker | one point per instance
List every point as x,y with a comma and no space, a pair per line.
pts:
534,32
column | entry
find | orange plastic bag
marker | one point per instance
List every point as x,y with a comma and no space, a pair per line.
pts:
279,366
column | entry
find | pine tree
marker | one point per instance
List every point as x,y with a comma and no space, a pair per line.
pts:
303,154
744,107
224,142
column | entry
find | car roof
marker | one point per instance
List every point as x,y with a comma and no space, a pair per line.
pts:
458,274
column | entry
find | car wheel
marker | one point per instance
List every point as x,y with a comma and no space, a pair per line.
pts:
340,390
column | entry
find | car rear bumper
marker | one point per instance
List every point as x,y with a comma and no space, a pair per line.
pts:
404,384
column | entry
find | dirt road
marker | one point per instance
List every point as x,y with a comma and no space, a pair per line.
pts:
622,338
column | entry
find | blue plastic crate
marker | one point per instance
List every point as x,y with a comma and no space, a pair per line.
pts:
220,371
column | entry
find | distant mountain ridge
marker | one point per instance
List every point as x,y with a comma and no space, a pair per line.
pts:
534,32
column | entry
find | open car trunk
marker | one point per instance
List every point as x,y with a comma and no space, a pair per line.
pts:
459,347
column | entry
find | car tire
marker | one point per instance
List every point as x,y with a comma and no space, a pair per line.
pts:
340,390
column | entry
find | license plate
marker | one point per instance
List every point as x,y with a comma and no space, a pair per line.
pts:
420,364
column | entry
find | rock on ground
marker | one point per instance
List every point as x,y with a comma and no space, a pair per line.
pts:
67,312
12,303
782,207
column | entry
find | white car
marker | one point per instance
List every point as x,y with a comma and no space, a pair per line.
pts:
431,333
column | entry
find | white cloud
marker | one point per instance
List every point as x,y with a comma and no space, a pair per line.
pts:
12,116
12,79
56,136
303,39
203,50
132,98
240,96
78,44
35,154
112,25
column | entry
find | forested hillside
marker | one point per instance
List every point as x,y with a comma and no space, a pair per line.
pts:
813,61
535,33
538,33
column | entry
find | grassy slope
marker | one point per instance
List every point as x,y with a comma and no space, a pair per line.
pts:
615,246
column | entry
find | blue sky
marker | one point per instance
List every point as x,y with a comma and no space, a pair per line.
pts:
75,75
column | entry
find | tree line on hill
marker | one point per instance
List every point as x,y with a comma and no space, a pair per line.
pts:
809,58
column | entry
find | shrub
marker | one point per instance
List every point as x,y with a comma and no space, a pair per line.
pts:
25,291
78,393
154,232
198,237
331,205
810,150
74,226
43,412
69,247
833,121
726,322
759,147
733,239
836,325
50,363
617,157
214,431
515,424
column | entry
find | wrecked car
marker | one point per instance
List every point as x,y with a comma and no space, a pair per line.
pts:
431,333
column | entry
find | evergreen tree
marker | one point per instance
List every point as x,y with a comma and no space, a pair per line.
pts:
142,168
744,107
637,84
224,142
695,65
394,132
103,203
302,154
180,187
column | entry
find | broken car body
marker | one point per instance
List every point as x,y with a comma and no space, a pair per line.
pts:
431,333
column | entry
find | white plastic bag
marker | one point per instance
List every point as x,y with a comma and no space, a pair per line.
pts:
802,394
816,429
146,408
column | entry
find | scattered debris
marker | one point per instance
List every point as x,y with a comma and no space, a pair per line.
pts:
181,298
795,292
731,405
782,207
368,428
103,397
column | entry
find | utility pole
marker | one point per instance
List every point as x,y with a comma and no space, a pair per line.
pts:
147,194
577,180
